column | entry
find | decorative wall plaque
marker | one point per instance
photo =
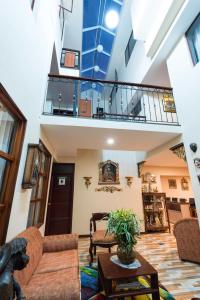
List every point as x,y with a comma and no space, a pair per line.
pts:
109,172
197,162
110,189
179,150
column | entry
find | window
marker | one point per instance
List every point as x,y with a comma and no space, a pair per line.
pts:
114,89
70,58
129,48
193,39
32,4
137,108
39,191
12,128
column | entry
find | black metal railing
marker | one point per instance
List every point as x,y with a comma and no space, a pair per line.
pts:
109,100
70,58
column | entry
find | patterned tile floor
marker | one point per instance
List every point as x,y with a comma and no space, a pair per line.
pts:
182,279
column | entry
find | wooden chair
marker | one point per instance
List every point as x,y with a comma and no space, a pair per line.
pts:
98,237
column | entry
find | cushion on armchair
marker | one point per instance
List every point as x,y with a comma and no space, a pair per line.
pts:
100,236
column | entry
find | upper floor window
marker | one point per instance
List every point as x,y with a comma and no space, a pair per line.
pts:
32,3
129,48
193,38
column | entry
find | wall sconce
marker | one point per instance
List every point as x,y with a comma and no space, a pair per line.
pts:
129,180
87,181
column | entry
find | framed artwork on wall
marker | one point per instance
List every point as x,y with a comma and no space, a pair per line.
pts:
169,104
172,183
184,184
108,172
31,170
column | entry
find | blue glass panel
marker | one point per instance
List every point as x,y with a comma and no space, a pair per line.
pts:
103,61
90,13
88,60
99,75
89,40
87,74
106,40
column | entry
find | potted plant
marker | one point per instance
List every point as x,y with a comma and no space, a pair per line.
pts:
125,226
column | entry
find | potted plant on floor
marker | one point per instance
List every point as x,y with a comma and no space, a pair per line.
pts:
125,226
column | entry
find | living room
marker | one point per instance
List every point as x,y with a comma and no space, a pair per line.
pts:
128,141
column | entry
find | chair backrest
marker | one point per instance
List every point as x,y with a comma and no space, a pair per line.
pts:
167,199
182,200
187,228
192,202
174,200
100,216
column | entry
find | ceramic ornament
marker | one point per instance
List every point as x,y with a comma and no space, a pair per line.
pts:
193,147
197,162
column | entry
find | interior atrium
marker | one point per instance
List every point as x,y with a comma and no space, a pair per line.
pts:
99,149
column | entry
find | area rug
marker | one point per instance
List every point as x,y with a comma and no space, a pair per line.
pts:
90,288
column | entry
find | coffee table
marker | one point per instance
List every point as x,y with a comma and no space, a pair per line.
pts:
110,273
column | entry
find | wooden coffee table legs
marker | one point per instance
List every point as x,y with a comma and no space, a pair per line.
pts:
110,273
154,285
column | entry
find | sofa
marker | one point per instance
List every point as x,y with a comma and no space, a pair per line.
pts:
187,233
53,270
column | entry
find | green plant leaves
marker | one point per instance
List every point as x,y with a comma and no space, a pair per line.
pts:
125,225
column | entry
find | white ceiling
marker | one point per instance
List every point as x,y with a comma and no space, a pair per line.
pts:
67,139
165,158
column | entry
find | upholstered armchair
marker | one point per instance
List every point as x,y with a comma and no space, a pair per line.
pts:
98,237
187,233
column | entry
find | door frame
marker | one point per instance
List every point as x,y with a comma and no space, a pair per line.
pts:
50,195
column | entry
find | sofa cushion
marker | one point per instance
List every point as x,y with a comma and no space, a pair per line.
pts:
61,242
59,285
55,261
34,251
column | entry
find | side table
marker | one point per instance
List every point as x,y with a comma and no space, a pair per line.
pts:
110,272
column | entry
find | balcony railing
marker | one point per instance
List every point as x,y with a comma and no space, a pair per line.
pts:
109,100
70,59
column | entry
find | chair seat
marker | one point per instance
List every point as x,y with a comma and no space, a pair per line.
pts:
100,237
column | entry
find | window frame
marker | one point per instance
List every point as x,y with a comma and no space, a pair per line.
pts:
43,199
128,50
194,56
11,171
32,4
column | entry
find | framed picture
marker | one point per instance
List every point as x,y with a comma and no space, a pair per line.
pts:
109,172
32,165
184,184
172,183
169,104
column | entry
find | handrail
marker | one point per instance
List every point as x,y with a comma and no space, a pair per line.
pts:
110,82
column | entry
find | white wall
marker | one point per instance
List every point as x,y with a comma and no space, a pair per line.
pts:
185,81
25,57
87,201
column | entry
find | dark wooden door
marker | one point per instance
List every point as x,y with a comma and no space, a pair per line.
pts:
60,204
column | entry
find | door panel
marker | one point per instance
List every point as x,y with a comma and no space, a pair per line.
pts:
59,213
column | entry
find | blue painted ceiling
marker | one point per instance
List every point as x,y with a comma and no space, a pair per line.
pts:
95,32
